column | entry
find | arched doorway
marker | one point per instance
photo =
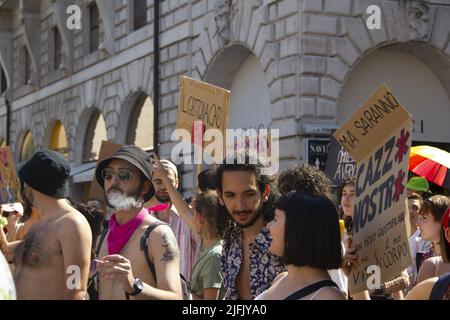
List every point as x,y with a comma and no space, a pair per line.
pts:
414,84
58,139
27,149
92,133
238,70
140,125
96,133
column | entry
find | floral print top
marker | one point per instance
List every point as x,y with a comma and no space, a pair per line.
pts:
264,266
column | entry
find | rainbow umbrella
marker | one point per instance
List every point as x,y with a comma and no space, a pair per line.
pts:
431,163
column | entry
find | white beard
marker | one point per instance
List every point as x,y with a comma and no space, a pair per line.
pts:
121,202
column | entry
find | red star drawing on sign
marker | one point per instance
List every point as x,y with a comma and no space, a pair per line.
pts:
399,187
402,146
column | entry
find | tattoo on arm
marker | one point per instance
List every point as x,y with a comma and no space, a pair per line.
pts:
170,249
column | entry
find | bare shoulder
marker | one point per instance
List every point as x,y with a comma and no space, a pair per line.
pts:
330,293
72,220
427,269
422,290
163,244
279,277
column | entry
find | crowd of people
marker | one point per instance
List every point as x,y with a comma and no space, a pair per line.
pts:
244,235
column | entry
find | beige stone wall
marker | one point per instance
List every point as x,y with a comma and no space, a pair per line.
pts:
307,49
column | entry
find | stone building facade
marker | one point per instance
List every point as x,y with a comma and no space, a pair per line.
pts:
307,51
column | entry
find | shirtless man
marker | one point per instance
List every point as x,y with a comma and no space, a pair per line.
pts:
246,194
124,272
52,261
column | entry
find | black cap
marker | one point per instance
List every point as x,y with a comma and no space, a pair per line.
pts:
137,157
47,172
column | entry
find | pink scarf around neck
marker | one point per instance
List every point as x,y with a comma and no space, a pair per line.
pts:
119,235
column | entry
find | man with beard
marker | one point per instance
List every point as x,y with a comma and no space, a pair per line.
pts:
124,271
247,265
164,210
52,261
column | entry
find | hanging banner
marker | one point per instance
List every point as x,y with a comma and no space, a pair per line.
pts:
9,183
378,137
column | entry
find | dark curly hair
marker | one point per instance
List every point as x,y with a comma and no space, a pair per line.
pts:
207,180
305,178
207,204
250,165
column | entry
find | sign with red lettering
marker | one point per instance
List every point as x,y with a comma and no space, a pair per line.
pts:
9,183
378,137
201,101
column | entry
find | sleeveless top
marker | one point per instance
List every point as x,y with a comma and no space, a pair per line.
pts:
441,289
315,287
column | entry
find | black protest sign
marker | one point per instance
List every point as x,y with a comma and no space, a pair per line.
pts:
340,164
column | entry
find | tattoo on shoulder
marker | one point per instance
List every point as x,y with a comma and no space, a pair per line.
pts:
170,247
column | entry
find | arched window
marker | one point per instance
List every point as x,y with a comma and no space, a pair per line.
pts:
58,140
94,27
139,14
140,128
248,80
27,150
96,132
2,81
58,51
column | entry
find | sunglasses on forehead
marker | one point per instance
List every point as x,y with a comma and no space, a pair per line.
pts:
122,174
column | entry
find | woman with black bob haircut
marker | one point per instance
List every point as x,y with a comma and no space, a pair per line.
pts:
306,235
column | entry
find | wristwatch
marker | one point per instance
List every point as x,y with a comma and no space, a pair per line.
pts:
138,286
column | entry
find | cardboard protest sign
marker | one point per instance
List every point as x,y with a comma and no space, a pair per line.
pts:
378,137
107,149
201,101
340,164
9,183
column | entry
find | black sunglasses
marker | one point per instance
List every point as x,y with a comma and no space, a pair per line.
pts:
122,174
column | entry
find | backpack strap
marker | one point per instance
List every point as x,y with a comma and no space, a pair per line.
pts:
144,245
100,242
306,291
440,287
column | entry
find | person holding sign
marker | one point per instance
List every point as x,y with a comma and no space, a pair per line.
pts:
307,236
430,217
52,261
436,288
188,241
207,222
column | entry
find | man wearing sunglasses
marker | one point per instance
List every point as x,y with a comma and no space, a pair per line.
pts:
123,269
